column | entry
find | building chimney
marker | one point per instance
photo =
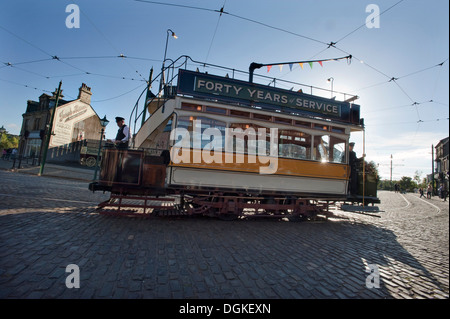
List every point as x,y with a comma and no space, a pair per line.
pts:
85,94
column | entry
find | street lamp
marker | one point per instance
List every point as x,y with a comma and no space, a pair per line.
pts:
103,123
332,81
169,32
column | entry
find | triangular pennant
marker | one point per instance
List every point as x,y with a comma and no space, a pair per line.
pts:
301,65
320,62
268,68
310,64
281,67
290,66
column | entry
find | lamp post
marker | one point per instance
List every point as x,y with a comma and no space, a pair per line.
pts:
103,123
331,80
169,32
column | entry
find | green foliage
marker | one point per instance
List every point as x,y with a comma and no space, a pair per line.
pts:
406,184
372,169
8,141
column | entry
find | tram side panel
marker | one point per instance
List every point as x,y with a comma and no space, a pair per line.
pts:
291,177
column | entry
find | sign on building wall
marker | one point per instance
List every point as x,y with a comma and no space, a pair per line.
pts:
66,117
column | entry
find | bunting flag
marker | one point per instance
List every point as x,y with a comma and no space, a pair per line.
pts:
311,63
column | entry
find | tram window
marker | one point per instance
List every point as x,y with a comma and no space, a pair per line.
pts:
196,127
294,144
262,117
337,129
303,124
337,149
191,107
321,148
239,113
321,127
215,110
282,120
246,139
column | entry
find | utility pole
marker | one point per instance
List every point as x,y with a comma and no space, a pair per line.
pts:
147,97
391,172
49,132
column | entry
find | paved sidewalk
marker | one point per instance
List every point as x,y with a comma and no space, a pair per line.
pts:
66,171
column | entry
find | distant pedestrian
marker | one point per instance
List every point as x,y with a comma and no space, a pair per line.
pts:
421,192
429,191
396,188
4,154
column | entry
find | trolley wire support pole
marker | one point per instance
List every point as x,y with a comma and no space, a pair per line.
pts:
49,132
364,165
147,97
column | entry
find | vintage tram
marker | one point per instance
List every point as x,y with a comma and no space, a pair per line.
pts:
228,148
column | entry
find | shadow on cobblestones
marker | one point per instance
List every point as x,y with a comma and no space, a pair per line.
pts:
198,258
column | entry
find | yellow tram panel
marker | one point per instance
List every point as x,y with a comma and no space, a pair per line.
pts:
289,167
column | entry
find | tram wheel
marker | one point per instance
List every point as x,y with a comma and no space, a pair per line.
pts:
90,161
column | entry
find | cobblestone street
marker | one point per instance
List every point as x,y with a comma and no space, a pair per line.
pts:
48,223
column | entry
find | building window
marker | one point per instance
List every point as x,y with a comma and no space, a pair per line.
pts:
37,122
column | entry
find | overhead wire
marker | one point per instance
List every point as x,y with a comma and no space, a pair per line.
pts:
120,95
233,15
410,122
363,25
215,31
54,57
25,85
111,44
221,11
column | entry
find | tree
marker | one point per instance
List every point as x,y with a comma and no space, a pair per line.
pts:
372,168
417,176
406,183
384,184
8,141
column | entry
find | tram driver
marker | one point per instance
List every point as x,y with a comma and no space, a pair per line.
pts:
123,134
352,162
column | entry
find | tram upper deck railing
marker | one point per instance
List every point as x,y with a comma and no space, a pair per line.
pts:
169,77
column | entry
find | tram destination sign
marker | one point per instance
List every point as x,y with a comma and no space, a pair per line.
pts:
209,86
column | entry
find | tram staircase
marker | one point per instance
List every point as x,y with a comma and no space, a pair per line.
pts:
154,122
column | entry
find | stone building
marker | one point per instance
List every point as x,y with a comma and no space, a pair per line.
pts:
74,122
442,162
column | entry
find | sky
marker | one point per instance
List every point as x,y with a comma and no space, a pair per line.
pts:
399,67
